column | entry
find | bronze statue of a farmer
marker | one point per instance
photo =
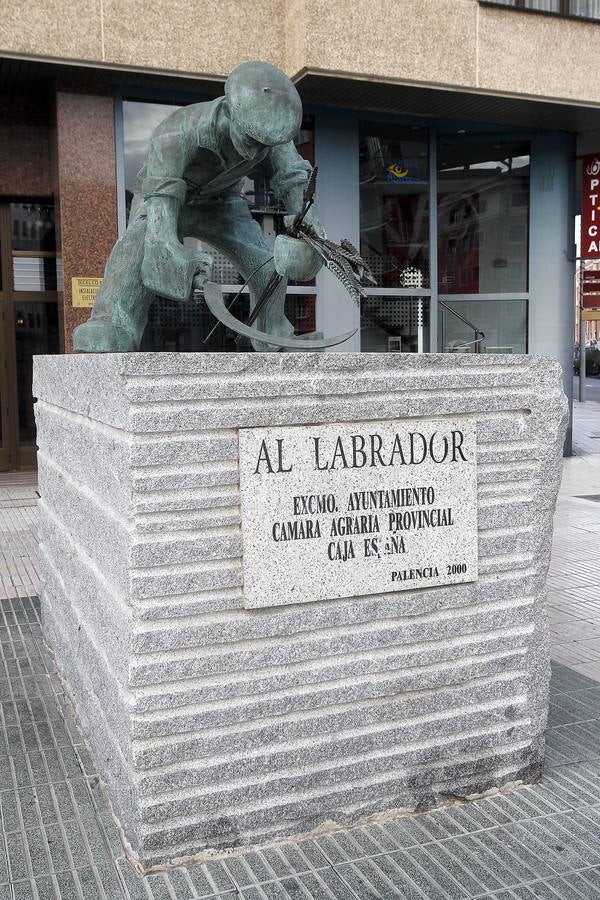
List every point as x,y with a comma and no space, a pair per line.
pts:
190,185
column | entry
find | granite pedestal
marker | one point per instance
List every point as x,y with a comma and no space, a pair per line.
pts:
217,722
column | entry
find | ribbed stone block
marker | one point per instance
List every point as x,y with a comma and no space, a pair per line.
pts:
216,725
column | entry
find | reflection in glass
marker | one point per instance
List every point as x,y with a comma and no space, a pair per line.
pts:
394,207
33,240
483,217
183,327
589,9
543,5
139,121
140,118
300,309
503,323
551,6
35,273
394,324
32,226
36,331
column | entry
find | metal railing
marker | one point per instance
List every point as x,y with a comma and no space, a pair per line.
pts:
479,335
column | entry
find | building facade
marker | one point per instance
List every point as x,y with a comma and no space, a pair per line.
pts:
447,133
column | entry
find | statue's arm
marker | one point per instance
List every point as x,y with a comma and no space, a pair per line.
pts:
163,187
289,180
289,175
168,268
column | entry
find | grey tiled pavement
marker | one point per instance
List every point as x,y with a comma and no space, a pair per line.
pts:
59,840
574,577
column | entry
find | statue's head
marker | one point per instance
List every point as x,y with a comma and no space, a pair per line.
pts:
264,107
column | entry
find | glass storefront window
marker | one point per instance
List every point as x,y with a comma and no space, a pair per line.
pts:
589,9
550,6
32,226
394,324
585,9
140,118
483,217
300,309
503,323
183,327
139,121
179,327
33,245
394,203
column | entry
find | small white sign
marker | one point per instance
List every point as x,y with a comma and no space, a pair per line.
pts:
357,508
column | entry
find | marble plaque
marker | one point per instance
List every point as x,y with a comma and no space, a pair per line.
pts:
357,508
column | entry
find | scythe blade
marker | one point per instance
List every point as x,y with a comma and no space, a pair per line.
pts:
213,294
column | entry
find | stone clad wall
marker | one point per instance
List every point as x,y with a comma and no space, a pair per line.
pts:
460,44
216,725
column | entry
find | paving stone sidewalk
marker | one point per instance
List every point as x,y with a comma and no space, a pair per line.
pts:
574,577
59,839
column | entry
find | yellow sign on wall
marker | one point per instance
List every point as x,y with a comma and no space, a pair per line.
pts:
590,315
84,290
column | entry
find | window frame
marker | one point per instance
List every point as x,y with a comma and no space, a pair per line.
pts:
563,13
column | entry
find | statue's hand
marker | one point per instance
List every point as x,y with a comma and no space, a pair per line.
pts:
172,270
294,259
309,219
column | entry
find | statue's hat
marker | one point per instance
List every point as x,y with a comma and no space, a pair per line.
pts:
263,102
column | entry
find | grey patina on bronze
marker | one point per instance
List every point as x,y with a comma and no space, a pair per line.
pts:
190,185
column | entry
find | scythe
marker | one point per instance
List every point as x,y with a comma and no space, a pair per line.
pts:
213,294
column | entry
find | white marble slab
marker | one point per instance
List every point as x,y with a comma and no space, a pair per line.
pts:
357,508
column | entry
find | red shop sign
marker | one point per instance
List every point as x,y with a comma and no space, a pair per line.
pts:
590,208
591,283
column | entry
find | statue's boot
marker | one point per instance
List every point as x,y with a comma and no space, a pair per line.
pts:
100,335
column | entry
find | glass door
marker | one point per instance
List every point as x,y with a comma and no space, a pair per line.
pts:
6,362
28,321
483,228
395,236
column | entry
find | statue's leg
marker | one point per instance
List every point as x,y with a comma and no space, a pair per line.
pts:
227,225
121,308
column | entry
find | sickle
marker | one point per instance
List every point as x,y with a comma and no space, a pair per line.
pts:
213,294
